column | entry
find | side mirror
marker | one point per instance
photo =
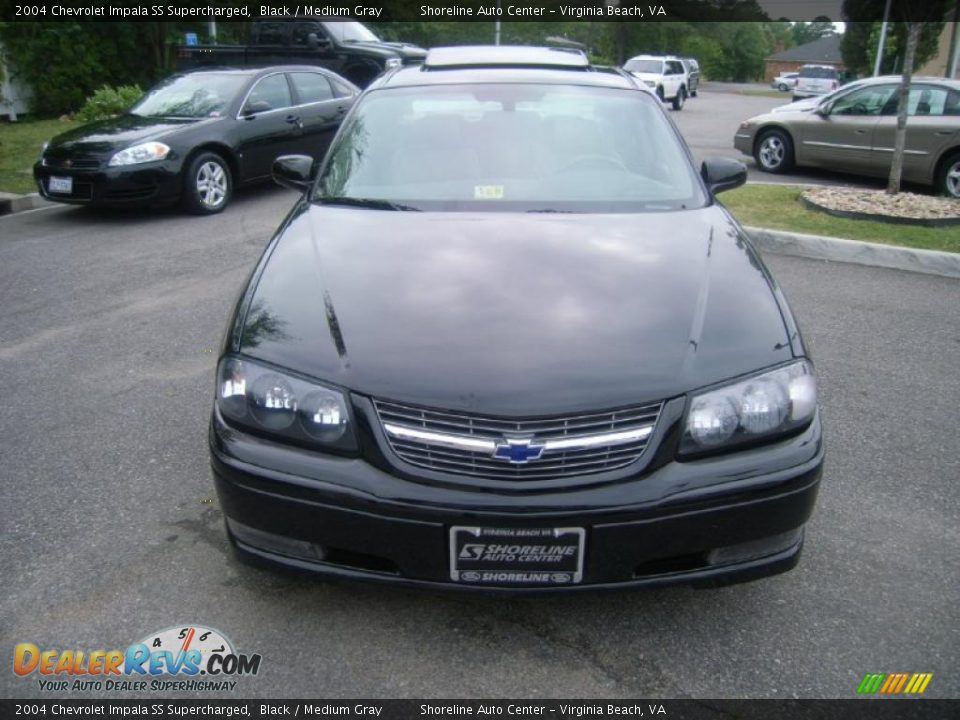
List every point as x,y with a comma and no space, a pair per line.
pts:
721,174
258,106
823,109
294,171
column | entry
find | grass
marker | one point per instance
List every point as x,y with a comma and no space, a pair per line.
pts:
778,207
771,93
20,144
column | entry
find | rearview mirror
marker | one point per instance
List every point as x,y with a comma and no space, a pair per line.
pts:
823,109
294,171
721,174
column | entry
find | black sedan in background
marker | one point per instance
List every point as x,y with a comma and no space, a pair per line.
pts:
509,340
195,137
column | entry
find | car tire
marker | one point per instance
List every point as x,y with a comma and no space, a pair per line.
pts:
660,94
948,179
773,151
680,98
782,87
207,184
693,93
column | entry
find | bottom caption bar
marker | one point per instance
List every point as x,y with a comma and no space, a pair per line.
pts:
865,709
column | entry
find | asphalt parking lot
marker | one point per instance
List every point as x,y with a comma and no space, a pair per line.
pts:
112,530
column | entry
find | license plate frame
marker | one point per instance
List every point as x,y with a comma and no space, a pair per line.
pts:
61,185
547,557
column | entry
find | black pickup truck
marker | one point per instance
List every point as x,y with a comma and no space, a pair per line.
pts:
347,47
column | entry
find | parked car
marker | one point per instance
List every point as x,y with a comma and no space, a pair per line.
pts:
811,103
666,76
195,137
346,47
692,68
785,81
854,131
508,339
816,80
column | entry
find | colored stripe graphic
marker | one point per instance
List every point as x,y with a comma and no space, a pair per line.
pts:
870,683
894,683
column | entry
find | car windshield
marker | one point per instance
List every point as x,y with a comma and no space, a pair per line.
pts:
644,66
522,147
191,96
818,72
349,31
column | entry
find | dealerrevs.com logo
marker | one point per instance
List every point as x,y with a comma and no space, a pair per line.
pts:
181,658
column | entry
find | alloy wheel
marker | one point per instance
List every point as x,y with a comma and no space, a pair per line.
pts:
952,180
212,184
772,152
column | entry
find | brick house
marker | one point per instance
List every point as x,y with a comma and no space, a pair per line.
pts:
825,51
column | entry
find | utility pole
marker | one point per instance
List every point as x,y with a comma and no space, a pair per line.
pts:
212,29
883,38
954,57
496,27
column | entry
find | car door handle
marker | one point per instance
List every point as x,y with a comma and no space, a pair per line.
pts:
294,120
860,131
945,132
341,110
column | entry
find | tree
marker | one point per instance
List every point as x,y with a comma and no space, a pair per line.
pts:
808,32
903,94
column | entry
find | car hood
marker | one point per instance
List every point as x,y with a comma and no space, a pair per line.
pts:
515,314
112,134
799,106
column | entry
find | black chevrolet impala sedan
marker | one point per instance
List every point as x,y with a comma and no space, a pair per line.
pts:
508,340
195,137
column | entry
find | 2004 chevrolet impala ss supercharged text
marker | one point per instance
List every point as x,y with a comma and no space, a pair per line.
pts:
508,340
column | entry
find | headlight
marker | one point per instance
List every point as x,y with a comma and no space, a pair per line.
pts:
272,402
766,405
145,152
650,83
393,62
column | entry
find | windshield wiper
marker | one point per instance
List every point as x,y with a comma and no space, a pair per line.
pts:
370,203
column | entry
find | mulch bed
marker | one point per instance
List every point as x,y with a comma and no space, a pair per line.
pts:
904,207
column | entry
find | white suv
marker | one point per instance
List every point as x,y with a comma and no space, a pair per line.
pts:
666,75
816,80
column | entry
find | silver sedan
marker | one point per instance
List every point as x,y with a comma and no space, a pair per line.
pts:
854,132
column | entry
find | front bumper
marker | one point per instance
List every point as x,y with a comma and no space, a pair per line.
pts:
155,183
710,522
743,141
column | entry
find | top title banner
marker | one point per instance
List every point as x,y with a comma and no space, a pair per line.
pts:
478,10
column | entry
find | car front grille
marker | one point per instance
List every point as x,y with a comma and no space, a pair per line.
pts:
533,449
71,163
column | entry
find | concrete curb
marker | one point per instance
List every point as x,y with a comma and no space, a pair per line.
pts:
930,262
10,203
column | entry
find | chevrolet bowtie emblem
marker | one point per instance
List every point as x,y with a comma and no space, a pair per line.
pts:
518,451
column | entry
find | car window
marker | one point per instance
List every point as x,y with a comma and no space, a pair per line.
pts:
342,89
551,148
311,87
644,66
270,93
675,67
870,100
270,33
932,100
819,73
196,95
302,30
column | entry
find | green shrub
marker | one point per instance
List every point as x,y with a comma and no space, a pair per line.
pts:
109,101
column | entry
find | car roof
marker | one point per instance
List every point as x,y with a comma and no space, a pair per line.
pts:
507,64
251,72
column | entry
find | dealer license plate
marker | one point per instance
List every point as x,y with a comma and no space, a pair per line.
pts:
516,556
62,185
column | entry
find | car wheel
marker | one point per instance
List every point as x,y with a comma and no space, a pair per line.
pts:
693,93
782,87
948,182
208,184
774,151
660,94
680,98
